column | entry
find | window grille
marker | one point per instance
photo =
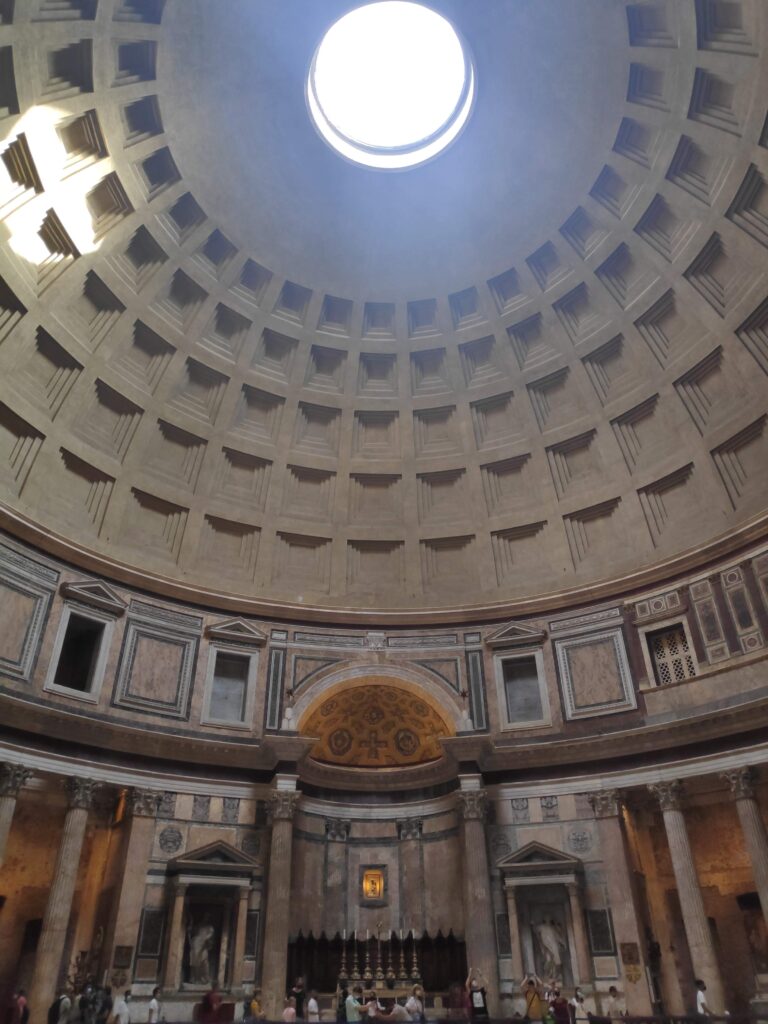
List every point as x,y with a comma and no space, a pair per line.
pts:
671,654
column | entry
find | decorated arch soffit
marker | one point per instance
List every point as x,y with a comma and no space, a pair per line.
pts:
375,723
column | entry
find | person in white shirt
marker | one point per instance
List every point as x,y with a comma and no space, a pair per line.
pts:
313,1007
415,1003
154,1007
352,1005
581,1006
121,1014
702,1007
614,1007
395,1012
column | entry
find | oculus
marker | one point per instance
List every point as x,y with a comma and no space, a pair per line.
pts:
390,85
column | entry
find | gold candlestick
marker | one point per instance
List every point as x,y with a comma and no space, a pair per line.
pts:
343,976
355,963
368,973
415,975
403,975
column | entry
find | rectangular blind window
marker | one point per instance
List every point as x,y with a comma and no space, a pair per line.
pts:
230,685
521,690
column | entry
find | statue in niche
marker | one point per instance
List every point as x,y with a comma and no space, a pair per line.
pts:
200,941
551,943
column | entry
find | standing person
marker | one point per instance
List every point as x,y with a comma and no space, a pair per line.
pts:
299,995
352,1004
702,1007
255,1011
559,1008
121,1013
341,1006
475,986
313,1008
581,1008
457,1002
289,1010
154,1007
23,1006
58,1011
415,1003
614,1007
211,1005
534,1005
104,1009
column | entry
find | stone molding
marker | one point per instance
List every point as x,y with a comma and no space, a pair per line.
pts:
606,803
473,804
13,777
409,828
670,794
143,803
283,804
80,792
742,782
337,830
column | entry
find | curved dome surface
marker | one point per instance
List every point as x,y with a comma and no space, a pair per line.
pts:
234,363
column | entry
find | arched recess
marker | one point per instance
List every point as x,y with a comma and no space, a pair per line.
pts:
376,721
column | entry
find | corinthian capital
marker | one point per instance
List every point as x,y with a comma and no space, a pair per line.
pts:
283,804
742,782
143,803
669,794
472,803
606,803
12,778
80,792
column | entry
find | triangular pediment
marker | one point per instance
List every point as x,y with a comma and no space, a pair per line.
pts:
537,858
217,858
96,594
237,630
515,634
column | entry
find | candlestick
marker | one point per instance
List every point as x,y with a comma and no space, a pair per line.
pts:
415,976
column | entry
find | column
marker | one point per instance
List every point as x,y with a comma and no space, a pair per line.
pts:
12,778
606,806
742,783
275,960
583,957
703,956
138,833
175,943
478,905
238,953
514,932
45,980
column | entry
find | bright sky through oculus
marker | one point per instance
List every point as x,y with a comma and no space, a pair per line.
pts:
390,84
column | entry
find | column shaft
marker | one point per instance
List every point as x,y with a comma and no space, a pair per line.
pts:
238,953
174,949
703,955
478,905
45,979
275,959
7,808
742,783
583,958
514,935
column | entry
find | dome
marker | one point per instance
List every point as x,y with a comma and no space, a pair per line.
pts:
238,364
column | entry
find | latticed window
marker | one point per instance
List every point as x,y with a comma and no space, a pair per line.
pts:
671,653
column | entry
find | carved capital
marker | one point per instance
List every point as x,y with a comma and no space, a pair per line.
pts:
143,803
12,778
669,794
742,782
283,804
80,792
606,803
409,828
473,804
337,830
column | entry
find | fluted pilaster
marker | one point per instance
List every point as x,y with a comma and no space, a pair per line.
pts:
742,784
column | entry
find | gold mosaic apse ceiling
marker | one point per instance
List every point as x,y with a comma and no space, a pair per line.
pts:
375,726
236,366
